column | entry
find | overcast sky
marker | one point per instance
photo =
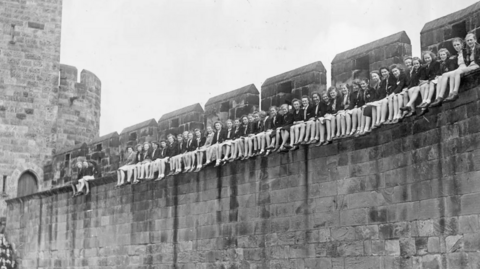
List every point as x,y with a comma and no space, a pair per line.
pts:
155,56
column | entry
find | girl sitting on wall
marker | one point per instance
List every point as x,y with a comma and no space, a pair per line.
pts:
413,86
128,167
432,67
205,149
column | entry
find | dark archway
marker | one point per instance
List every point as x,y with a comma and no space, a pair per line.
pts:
27,184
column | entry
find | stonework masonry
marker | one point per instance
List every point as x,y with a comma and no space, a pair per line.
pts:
359,62
439,33
404,196
232,104
41,108
295,83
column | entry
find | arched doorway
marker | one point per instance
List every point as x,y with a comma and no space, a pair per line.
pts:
27,184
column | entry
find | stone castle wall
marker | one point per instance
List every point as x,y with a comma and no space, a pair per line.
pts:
404,196
79,107
29,79
439,33
357,63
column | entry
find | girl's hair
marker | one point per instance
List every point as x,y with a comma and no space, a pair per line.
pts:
348,87
383,67
130,147
331,89
375,72
308,98
229,120
285,106
417,59
274,107
364,80
406,58
218,123
432,55
296,100
243,117
471,34
393,66
262,114
444,50
316,93
458,39
197,130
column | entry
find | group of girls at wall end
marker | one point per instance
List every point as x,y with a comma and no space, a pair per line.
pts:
387,97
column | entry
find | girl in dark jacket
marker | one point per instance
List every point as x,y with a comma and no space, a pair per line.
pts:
447,64
370,97
401,82
468,60
356,106
284,128
386,91
381,101
416,74
321,109
336,105
432,67
344,118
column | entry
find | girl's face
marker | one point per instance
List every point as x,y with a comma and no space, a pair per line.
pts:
325,98
85,164
146,146
237,122
296,105
139,148
79,164
284,110
355,87
180,138
256,117
129,150
245,120
344,90
427,58
333,94
229,124
384,73
316,98
443,56
163,144
218,126
408,63
364,85
396,72
273,112
470,40
250,118
416,64
155,146
170,139
190,135
305,102
209,129
198,134
185,135
375,77
457,45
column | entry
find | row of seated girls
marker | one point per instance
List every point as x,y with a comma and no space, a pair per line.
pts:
386,98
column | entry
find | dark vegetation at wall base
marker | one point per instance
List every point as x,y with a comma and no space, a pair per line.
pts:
404,196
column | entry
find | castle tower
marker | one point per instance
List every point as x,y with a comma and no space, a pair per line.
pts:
41,108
